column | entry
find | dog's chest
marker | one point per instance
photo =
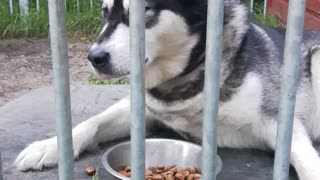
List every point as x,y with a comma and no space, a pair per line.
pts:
183,115
242,109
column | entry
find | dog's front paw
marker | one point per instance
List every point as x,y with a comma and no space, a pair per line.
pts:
38,155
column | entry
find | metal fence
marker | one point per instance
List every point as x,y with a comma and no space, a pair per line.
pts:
24,5
1,177
213,59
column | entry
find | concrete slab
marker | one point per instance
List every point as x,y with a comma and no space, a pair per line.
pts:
31,118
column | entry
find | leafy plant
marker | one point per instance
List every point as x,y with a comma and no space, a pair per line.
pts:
94,80
83,23
96,175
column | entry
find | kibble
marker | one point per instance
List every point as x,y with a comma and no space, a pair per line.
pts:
162,172
90,171
124,173
179,176
127,169
192,170
196,176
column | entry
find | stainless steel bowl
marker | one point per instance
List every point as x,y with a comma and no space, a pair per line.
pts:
158,152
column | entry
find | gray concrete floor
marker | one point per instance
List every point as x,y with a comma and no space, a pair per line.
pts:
31,118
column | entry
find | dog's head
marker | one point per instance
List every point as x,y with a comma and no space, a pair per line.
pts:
175,31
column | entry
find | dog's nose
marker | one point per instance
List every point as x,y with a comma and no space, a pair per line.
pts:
98,57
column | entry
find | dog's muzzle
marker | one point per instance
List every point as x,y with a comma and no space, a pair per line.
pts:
99,58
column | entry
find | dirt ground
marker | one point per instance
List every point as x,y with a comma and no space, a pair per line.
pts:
26,65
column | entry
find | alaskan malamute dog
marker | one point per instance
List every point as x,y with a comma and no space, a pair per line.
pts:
174,79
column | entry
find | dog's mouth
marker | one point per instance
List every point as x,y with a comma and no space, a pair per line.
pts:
105,77
102,75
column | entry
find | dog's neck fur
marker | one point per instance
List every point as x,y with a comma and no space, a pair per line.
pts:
191,81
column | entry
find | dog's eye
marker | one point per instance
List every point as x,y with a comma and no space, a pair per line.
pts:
147,8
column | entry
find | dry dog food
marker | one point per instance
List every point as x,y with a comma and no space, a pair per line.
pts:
90,171
166,173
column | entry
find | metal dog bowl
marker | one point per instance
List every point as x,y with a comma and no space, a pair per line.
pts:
158,152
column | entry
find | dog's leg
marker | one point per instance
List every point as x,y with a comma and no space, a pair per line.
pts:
304,157
110,124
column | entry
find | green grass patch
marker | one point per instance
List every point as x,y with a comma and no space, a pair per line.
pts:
83,23
96,81
96,175
269,20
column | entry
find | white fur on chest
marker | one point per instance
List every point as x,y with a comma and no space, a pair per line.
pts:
245,105
180,115
243,109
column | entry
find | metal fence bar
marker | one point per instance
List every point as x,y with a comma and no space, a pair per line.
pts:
23,5
1,176
57,21
288,88
251,6
78,5
137,58
265,8
212,76
11,7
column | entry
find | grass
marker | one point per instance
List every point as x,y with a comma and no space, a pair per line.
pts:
96,175
85,23
94,80
258,17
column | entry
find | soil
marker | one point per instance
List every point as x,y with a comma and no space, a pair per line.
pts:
25,64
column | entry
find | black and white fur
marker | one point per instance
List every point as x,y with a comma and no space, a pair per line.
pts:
174,76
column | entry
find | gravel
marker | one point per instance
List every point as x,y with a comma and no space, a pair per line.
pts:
25,64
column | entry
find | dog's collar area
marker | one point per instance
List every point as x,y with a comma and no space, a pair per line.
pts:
189,70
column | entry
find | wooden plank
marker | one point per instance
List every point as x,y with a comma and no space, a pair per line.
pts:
279,8
314,5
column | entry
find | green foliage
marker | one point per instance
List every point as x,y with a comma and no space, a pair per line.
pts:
96,175
85,23
94,80
258,17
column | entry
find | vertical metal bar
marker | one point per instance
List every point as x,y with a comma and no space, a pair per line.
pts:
251,6
137,58
11,7
212,89
1,176
57,21
78,5
288,88
23,4
38,5
265,8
